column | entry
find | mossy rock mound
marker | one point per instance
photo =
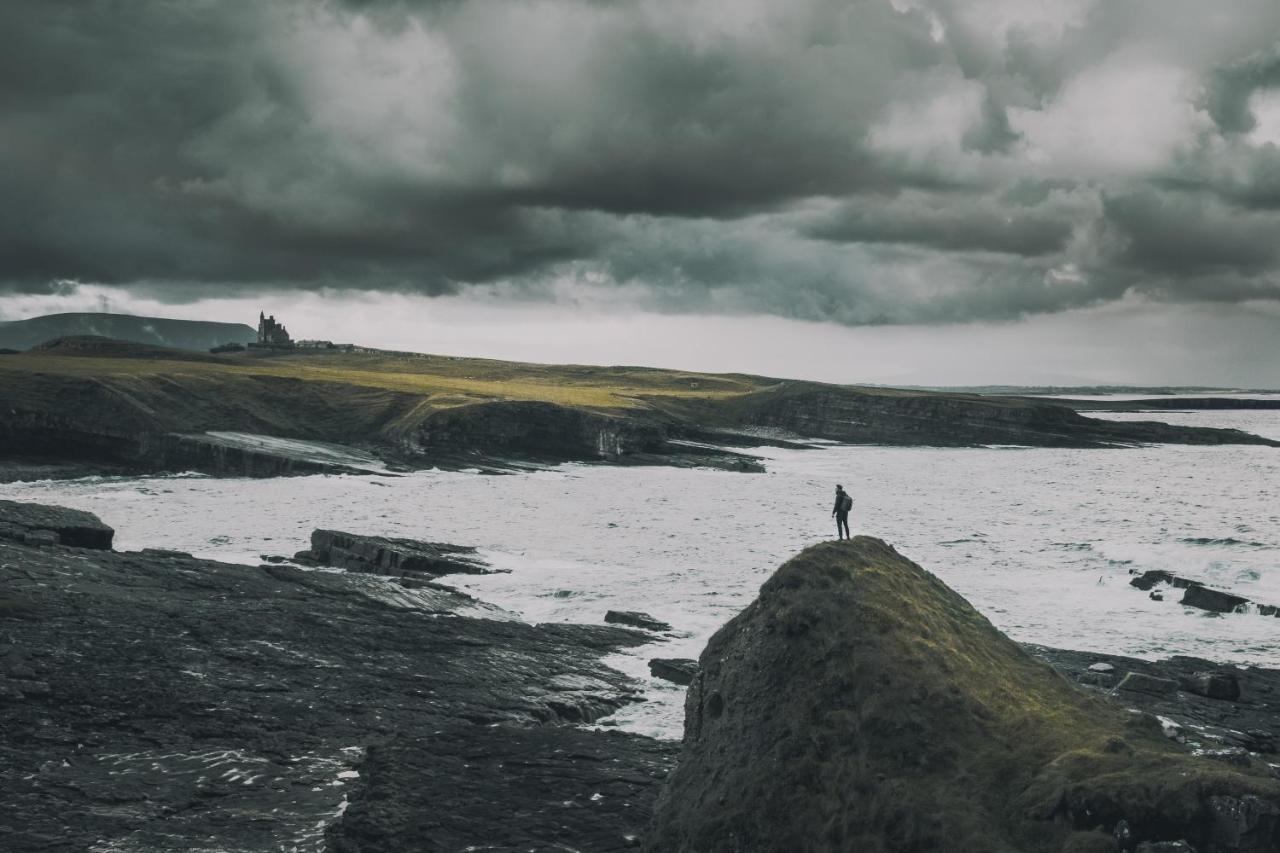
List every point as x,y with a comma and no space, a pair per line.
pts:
859,704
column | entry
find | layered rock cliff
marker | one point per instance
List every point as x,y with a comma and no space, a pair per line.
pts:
861,705
892,417
149,409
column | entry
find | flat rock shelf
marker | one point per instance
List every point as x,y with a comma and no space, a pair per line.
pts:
157,702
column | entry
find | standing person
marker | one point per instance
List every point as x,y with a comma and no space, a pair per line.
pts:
844,503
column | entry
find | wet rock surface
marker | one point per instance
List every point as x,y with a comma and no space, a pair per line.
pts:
1213,706
53,525
1196,594
677,670
636,619
553,789
1137,682
1212,599
382,555
157,702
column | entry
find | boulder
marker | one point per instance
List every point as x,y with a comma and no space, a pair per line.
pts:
1165,847
1153,685
382,555
679,670
860,704
1212,599
73,527
1214,685
1101,666
636,619
1260,740
1245,823
1151,579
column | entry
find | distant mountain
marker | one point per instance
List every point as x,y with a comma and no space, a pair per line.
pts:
161,331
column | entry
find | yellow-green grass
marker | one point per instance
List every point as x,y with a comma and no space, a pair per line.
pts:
441,380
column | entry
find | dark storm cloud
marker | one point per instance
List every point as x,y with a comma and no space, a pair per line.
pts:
878,161
1230,87
957,221
1185,234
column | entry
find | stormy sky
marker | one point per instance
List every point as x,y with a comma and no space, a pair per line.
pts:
950,177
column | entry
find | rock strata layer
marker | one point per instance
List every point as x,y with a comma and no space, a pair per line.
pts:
677,670
860,704
861,416
53,525
156,702
636,619
382,555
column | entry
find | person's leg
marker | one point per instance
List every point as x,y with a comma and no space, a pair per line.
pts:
844,524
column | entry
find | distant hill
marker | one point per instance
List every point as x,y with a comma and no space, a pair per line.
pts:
94,346
160,331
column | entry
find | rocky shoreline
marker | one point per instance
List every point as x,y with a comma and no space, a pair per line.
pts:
154,701
94,406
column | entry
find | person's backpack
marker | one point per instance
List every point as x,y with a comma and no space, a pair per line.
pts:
846,502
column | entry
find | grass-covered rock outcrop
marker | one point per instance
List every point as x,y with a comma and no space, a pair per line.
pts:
859,704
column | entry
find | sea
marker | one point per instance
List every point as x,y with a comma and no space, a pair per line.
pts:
1043,542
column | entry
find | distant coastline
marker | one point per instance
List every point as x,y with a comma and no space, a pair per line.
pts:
104,405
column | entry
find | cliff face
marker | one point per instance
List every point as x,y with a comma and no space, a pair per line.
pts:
860,705
146,408
156,423
532,430
954,420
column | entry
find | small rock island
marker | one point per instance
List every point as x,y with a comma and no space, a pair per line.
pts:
859,704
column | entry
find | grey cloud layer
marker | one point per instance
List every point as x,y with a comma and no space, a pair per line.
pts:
870,162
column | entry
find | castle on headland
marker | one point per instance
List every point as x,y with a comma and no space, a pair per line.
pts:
271,333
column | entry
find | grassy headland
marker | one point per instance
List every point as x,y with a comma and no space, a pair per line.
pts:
110,401
441,381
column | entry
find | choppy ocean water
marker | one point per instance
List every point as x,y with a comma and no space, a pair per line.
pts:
1041,541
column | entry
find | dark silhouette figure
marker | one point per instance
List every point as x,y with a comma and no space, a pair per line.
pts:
844,503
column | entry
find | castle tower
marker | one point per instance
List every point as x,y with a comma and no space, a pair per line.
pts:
271,332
